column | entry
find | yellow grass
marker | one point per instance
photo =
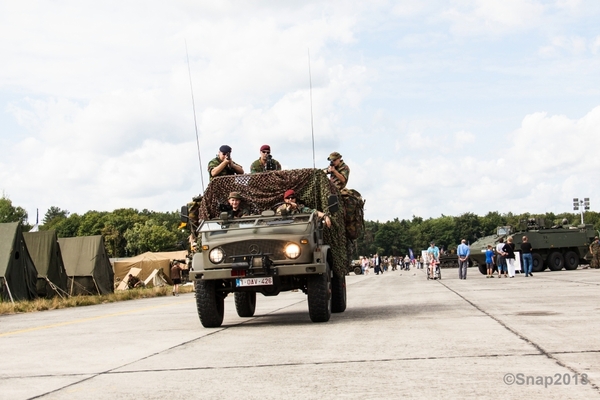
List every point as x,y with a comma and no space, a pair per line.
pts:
55,303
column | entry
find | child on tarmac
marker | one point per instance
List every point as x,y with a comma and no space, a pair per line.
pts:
489,260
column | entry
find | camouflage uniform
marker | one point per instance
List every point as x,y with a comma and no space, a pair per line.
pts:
345,171
215,162
257,166
595,250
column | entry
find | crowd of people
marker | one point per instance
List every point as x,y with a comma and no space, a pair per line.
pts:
379,264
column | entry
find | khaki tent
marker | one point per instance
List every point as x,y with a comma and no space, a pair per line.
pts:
45,253
87,265
148,262
17,272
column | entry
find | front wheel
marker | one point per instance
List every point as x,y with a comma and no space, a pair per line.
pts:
319,296
338,293
209,303
245,303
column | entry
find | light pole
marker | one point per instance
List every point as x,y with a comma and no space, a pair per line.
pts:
584,204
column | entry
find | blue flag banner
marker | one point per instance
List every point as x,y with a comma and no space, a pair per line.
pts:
410,253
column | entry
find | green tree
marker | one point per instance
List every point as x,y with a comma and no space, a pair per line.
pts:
54,213
115,226
150,236
10,213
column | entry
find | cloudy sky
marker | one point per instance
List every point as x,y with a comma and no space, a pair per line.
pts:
438,107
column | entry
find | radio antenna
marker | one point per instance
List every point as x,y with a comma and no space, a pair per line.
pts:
312,128
195,122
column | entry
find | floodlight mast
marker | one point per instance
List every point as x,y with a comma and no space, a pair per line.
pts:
581,205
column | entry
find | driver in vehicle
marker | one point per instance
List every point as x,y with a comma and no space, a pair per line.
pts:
291,206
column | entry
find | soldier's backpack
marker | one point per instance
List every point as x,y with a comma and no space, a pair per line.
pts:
354,216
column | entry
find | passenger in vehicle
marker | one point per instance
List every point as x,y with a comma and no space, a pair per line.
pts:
291,206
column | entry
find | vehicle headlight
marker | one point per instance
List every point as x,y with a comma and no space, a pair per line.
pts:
292,250
216,255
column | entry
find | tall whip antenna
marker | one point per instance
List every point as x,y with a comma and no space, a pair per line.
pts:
312,128
195,122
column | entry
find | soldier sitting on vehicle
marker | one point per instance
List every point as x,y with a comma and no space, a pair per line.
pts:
290,206
238,208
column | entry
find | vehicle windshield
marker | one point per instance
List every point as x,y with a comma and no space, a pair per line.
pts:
220,226
503,230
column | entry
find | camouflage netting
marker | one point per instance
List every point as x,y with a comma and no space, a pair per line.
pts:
264,191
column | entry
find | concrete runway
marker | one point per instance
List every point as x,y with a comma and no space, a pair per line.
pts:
401,336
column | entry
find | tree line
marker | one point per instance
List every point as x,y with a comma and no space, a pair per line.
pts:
128,232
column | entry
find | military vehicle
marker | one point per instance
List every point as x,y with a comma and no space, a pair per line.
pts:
558,247
268,253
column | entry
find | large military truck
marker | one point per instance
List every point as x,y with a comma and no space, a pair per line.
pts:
558,247
267,253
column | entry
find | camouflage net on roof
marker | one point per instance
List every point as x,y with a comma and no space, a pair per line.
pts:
264,191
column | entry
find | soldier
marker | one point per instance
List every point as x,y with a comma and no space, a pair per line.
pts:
265,161
291,206
223,165
595,251
235,200
133,282
338,170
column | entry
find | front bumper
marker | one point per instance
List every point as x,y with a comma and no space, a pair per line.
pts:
278,270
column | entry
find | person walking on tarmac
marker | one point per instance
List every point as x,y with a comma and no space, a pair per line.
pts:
223,165
176,277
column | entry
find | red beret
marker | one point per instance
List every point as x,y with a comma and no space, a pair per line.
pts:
289,193
265,147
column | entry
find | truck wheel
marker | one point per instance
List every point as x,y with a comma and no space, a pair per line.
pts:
245,303
338,293
210,304
357,271
482,268
538,263
571,260
319,296
556,262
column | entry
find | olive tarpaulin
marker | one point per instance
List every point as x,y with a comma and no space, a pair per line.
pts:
87,264
45,253
18,275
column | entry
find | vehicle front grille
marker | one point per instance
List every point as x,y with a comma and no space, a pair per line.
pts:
272,247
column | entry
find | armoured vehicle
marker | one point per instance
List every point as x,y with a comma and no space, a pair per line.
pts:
558,247
268,253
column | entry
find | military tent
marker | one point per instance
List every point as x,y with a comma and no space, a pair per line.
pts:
87,265
17,272
148,262
45,253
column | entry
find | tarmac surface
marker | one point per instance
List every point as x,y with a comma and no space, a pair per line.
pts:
401,336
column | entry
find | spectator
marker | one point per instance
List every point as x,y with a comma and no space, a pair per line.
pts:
527,256
489,261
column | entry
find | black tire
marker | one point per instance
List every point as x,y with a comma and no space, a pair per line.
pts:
357,271
482,268
338,293
245,303
319,296
538,263
555,261
571,260
209,303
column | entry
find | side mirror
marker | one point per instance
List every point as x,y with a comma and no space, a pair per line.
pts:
184,214
333,203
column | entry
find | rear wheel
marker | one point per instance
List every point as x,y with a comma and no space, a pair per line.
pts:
482,268
319,296
357,271
338,293
571,260
209,303
538,263
555,261
245,303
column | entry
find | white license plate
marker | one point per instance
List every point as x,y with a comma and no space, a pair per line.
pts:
254,281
